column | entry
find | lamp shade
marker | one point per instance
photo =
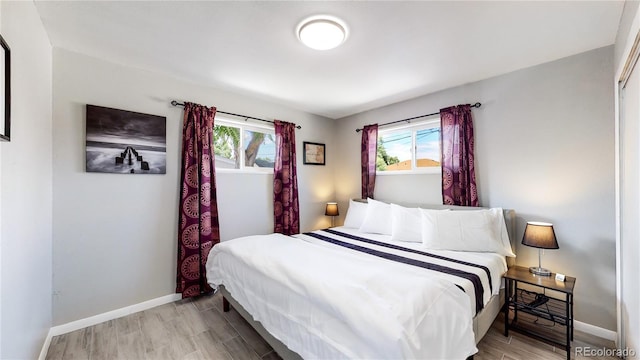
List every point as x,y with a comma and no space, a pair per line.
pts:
540,235
332,209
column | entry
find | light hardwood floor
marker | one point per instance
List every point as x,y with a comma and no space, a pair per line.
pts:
198,329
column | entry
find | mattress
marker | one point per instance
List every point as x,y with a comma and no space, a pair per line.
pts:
341,294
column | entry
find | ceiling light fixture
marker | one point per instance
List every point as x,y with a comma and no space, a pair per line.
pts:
322,32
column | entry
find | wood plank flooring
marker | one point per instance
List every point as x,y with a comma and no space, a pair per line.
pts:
198,329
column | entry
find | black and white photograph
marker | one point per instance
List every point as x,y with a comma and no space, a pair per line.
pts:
125,142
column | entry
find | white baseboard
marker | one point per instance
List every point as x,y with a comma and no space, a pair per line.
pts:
595,330
100,318
45,346
114,314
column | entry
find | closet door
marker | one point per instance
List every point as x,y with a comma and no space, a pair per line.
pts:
629,202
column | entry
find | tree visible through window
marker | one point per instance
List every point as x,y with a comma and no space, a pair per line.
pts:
409,149
226,145
254,149
394,150
260,150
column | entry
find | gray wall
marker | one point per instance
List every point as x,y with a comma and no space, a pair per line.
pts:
544,147
115,235
26,187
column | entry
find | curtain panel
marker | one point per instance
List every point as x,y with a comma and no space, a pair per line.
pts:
285,181
369,148
456,147
198,214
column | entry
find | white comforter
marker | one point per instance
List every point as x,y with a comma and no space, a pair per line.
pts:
327,302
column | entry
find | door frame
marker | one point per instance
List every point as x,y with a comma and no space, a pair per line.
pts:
624,69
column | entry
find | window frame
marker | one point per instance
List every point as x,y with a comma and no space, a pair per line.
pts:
430,123
225,121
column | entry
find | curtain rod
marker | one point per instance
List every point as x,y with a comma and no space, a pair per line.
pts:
175,103
476,105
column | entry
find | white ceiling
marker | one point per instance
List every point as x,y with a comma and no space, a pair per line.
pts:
396,50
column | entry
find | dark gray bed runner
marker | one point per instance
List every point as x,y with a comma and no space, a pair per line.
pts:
473,278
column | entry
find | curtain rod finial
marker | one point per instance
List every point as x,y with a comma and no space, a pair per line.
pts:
174,103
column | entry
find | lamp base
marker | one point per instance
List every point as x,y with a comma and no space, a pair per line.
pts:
539,271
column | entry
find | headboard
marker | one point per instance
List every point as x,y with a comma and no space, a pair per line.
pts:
509,219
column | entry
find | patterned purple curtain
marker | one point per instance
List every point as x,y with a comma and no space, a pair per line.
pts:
199,228
456,147
285,181
369,148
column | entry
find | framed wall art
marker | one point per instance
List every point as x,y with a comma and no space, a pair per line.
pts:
314,153
5,88
125,142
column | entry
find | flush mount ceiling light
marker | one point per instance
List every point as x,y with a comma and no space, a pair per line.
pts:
322,32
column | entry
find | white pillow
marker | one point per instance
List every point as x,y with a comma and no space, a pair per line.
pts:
378,218
501,230
405,224
461,231
355,214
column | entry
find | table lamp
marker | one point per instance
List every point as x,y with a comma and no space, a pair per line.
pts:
332,210
541,236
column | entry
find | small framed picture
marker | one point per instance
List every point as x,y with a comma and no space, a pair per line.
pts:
313,153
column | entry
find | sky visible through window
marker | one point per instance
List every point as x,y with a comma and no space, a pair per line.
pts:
428,144
398,143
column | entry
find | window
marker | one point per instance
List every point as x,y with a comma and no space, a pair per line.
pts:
243,147
409,149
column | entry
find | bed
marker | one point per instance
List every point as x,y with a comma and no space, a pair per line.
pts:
346,292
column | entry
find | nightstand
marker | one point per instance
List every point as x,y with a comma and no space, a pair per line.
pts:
534,300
